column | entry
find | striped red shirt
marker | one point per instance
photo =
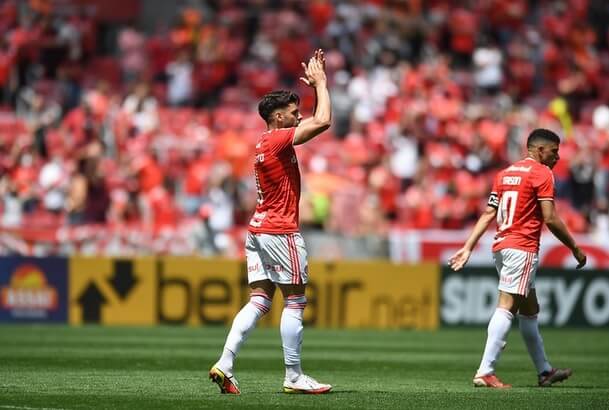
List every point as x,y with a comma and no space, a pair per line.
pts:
277,183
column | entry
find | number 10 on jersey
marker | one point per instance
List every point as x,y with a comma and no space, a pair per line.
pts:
507,209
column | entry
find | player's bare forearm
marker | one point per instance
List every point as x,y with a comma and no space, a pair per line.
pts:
311,119
323,106
320,121
556,225
315,77
460,258
560,231
481,226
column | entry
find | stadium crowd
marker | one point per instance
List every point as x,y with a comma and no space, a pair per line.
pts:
430,99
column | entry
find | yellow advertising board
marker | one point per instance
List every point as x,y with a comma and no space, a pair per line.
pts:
341,294
373,295
196,291
112,291
199,291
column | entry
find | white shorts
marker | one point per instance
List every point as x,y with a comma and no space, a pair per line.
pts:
517,270
280,258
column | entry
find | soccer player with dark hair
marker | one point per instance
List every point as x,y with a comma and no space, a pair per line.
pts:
275,251
522,200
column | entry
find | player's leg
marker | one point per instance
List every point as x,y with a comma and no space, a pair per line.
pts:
291,328
497,331
291,337
261,295
289,256
262,290
510,266
529,328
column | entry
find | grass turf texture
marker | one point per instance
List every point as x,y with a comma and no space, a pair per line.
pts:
57,367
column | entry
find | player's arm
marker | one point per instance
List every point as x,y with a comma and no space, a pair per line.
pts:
315,77
560,231
460,258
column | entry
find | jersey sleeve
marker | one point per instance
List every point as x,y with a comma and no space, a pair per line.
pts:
281,139
543,185
493,199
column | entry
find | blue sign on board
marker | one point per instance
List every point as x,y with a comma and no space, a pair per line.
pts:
33,289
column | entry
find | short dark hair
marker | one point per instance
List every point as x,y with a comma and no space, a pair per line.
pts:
542,135
276,100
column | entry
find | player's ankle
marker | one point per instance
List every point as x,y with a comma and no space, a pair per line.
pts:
226,369
292,372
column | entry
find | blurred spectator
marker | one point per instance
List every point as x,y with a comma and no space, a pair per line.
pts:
12,213
583,166
179,83
488,73
88,200
141,109
131,44
39,114
53,182
7,71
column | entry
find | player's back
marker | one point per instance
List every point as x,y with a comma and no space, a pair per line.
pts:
518,190
277,183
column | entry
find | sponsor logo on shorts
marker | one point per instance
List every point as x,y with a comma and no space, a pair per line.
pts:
274,268
506,280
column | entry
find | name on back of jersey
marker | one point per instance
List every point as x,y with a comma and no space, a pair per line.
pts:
511,180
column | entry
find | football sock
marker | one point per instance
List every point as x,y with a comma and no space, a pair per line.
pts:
529,328
243,323
498,329
291,335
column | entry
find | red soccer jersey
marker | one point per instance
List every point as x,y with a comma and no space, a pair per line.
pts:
277,183
516,193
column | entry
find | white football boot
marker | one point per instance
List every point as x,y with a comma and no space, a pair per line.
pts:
305,385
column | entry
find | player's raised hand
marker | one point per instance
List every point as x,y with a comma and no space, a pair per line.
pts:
581,258
319,56
314,70
307,78
459,259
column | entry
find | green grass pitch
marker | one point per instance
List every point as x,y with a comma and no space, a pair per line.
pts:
58,367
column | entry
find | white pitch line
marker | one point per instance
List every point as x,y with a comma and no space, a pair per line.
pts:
6,406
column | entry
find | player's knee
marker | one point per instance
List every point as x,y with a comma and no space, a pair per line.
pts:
261,301
530,310
535,309
297,302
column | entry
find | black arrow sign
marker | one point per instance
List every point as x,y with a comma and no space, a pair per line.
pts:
123,280
91,301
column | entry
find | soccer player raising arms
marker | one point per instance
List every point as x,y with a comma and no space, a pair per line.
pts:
521,200
275,251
